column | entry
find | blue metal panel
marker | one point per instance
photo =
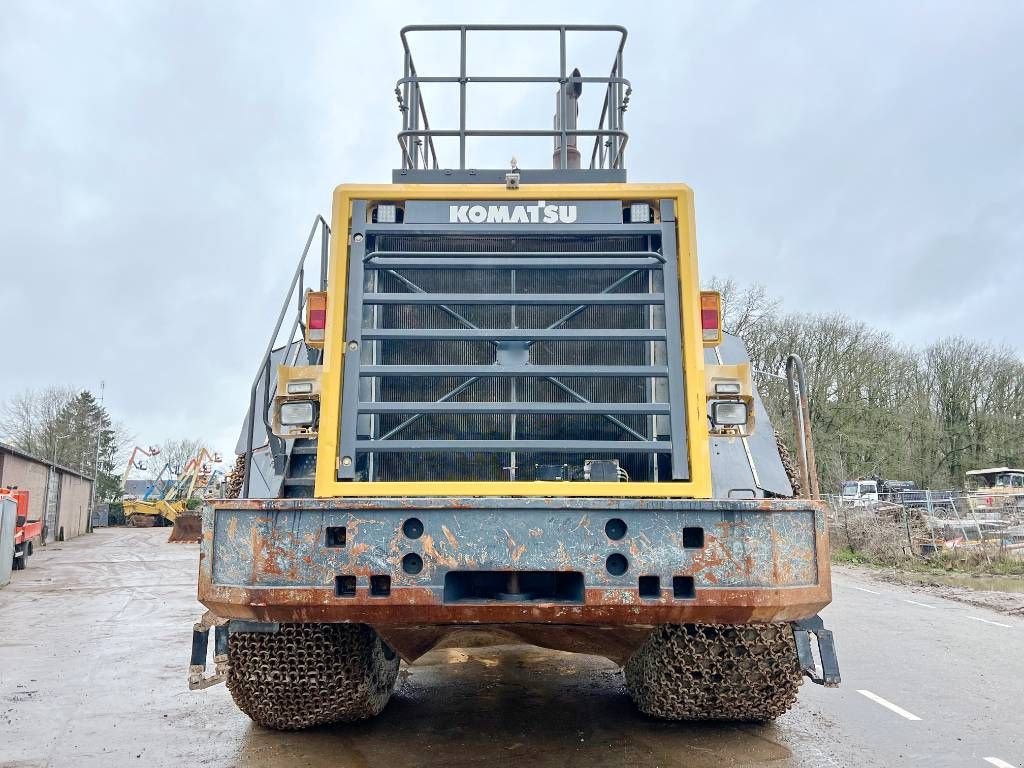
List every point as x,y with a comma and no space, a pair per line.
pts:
743,547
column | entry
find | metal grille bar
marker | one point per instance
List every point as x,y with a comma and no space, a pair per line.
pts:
544,408
484,371
465,261
532,299
505,446
475,354
518,334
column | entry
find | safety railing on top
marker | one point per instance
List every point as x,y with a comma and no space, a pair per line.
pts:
416,138
295,298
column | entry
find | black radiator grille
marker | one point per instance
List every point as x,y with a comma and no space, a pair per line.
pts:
429,305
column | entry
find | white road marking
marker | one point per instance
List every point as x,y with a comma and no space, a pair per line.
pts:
865,589
993,623
888,705
923,605
998,763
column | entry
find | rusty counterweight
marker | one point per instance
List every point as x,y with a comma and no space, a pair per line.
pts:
281,560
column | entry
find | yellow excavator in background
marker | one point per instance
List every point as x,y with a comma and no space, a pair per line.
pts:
174,503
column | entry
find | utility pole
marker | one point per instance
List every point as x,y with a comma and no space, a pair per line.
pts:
96,463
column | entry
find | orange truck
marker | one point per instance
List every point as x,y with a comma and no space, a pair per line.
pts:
25,530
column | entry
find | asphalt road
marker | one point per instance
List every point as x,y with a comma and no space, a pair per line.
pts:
94,645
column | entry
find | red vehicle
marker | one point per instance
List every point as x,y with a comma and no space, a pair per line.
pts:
25,530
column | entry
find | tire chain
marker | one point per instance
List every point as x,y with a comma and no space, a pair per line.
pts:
744,672
790,466
310,674
234,479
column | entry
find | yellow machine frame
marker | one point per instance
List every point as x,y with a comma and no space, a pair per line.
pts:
699,486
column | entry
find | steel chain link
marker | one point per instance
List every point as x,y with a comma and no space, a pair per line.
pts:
310,674
789,466
715,672
234,479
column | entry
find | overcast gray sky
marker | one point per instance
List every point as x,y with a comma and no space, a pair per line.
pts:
160,164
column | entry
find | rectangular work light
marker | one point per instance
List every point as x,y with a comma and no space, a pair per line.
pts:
301,413
640,213
728,413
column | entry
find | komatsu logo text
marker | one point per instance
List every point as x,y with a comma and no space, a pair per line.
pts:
541,213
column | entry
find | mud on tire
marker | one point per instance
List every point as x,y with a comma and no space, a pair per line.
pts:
310,674
715,672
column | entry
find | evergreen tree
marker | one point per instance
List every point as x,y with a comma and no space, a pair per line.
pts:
71,428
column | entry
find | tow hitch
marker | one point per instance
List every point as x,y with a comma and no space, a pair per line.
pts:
197,678
802,632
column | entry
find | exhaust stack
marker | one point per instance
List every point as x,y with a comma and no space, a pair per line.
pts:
569,121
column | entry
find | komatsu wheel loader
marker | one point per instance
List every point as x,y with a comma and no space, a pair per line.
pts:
507,407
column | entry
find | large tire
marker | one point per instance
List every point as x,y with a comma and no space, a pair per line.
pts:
310,674
715,672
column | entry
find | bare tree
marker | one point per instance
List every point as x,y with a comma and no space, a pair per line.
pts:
744,308
175,455
35,422
69,427
879,407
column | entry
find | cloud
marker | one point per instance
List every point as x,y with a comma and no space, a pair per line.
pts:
162,163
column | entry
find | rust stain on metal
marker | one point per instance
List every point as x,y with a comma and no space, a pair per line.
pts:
781,570
354,523
564,561
437,556
268,554
583,523
515,551
604,606
452,541
357,550
294,572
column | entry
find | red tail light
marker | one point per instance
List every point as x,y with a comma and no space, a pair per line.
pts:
316,318
711,317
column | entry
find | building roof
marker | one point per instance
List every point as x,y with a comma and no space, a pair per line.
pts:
7,448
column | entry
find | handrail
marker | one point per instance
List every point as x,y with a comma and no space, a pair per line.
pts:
797,383
417,144
264,370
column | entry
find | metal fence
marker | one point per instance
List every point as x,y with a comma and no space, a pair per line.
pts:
926,523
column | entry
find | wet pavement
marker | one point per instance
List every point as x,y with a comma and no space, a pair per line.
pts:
94,646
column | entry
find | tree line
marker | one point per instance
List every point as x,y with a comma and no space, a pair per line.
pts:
68,427
879,407
72,428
